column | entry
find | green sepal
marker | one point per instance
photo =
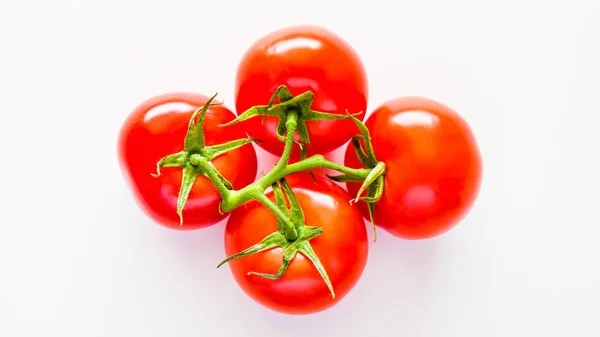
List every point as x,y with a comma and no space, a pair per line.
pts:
287,102
296,214
188,177
375,173
281,204
194,139
305,248
275,239
371,208
360,153
174,160
223,180
307,233
259,110
283,93
370,159
374,193
373,184
195,159
212,152
288,256
344,178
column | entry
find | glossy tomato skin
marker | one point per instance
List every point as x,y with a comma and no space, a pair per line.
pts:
303,58
157,128
342,249
434,167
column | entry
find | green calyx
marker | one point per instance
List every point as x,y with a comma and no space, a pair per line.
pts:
292,236
196,157
374,182
288,103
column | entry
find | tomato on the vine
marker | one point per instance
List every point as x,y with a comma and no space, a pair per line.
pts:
303,58
433,167
157,128
342,249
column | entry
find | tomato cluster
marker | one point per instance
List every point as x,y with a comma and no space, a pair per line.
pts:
413,168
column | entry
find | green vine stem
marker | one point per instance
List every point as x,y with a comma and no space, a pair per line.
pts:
232,199
292,234
293,112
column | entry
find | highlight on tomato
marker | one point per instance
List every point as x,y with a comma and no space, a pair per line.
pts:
342,249
303,58
433,167
157,128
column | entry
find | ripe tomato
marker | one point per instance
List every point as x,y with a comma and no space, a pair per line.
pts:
303,58
157,128
342,249
433,166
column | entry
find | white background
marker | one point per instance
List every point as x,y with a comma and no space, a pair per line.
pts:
78,258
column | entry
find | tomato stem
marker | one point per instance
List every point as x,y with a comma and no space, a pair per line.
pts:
292,234
288,226
211,172
318,161
234,199
255,191
290,126
237,198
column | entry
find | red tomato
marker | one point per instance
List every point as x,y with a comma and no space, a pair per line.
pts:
157,128
303,58
342,249
433,165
